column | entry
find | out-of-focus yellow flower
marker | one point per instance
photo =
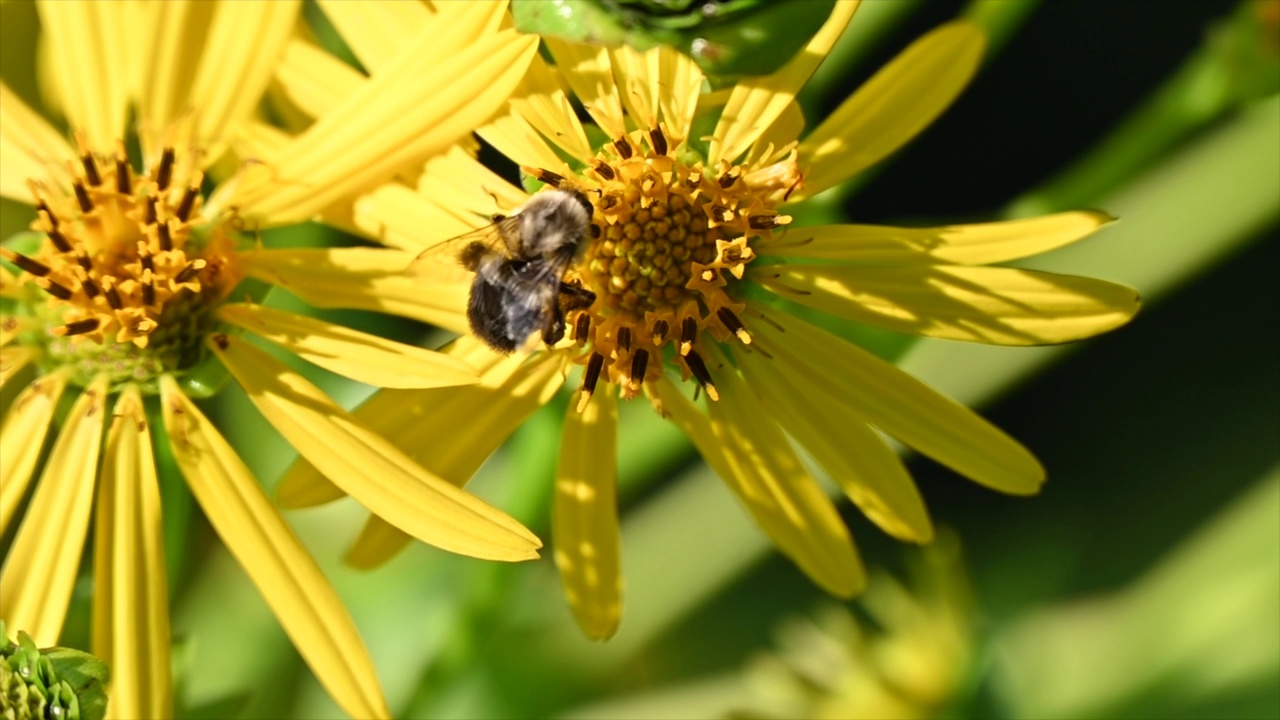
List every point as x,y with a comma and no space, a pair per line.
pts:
120,302
694,264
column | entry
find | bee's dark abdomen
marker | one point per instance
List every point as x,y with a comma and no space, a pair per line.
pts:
488,317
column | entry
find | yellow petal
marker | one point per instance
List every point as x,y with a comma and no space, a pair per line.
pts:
543,104
313,79
892,107
40,572
368,467
283,571
22,438
11,326
749,452
377,31
1000,306
241,52
398,118
398,217
757,101
838,437
177,30
584,518
979,244
12,360
458,182
772,143
30,149
9,287
587,70
361,278
87,42
902,406
680,84
636,74
360,356
131,604
515,138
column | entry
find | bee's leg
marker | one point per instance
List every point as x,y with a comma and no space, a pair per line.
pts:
574,297
554,331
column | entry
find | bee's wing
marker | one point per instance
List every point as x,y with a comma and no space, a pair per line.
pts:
440,262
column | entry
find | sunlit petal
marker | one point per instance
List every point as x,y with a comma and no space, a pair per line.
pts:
41,569
584,516
360,278
378,31
22,438
515,138
131,605
178,31
978,244
757,101
357,355
637,75
1001,306
587,70
784,130
679,84
283,571
86,42
315,80
368,467
30,149
544,104
398,217
12,360
892,107
839,438
749,452
9,287
902,406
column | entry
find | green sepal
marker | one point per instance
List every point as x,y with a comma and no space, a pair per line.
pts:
51,683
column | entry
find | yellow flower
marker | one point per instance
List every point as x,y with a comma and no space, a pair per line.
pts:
120,302
694,264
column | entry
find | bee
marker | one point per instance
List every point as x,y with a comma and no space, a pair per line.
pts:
519,264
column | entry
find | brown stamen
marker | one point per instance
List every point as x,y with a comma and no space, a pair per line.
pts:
605,171
623,147
658,141
735,325
150,216
188,202
581,327
35,267
58,290
589,379
166,240
123,185
164,173
113,297
59,240
82,197
79,327
192,269
90,170
660,330
639,362
148,288
701,374
688,333
624,339
766,222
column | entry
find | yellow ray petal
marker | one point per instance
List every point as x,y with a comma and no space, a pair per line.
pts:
679,85
398,217
315,80
757,101
1000,306
979,244
178,30
587,70
636,74
89,65
245,43
514,137
378,31
370,469
784,130
9,285
902,406
360,356
11,326
12,360
458,182
35,587
749,452
543,104
892,107
361,278
584,518
283,571
30,149
397,119
22,439
131,604
839,438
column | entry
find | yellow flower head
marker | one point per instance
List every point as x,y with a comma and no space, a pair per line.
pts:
694,264
123,297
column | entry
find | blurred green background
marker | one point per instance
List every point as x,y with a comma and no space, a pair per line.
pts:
1144,581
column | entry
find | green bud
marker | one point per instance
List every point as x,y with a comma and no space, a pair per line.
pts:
49,684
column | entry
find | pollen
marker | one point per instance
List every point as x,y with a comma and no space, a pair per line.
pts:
127,269
669,242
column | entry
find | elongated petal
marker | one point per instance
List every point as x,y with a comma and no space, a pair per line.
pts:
361,278
89,65
892,107
378,31
283,571
584,518
783,131
588,71
370,469
1000,306
902,406
515,138
757,101
461,184
360,356
636,74
749,452
30,149
178,30
22,438
11,326
680,84
35,587
839,438
544,104
9,287
244,45
12,360
397,119
131,604
979,244
315,80
401,218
